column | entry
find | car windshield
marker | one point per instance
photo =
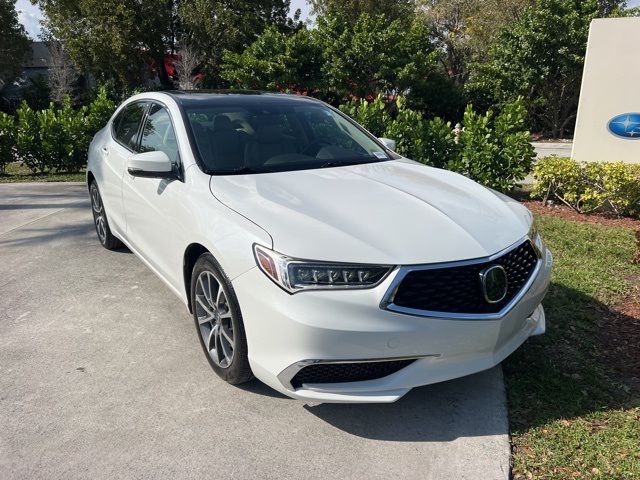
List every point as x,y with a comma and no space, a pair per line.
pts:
276,137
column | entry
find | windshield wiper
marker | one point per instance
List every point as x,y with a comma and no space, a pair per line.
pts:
240,171
341,163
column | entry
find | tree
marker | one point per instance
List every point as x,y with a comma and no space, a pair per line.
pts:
276,61
373,55
112,39
351,10
464,29
540,56
62,75
213,26
340,60
14,43
188,60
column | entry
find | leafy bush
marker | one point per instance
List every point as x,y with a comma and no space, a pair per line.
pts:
492,150
64,137
408,130
7,139
439,144
99,112
427,141
496,150
590,187
57,138
371,115
28,143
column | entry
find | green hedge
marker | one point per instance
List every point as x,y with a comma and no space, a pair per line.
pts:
493,150
589,187
7,140
55,139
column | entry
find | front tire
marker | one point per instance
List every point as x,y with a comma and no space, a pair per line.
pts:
218,320
107,239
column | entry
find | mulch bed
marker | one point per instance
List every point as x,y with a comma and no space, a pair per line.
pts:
620,326
566,213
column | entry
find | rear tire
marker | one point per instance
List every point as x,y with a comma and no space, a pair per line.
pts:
218,320
107,239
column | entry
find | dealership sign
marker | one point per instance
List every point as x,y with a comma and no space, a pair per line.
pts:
608,122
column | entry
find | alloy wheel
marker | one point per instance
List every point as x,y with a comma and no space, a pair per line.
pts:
214,319
98,213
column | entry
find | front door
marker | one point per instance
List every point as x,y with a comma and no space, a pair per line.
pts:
153,206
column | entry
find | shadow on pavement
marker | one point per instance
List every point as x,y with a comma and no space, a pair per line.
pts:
48,206
433,413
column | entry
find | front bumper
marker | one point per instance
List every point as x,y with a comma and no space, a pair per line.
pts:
285,332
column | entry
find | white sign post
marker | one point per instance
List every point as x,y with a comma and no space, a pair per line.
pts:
608,122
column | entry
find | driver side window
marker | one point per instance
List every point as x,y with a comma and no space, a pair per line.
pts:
127,124
158,133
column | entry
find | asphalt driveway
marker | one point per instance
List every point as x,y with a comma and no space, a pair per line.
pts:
102,376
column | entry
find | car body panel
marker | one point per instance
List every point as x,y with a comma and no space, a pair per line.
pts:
392,212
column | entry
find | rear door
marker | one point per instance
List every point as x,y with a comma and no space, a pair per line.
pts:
124,138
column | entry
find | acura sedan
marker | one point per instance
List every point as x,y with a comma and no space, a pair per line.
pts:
310,254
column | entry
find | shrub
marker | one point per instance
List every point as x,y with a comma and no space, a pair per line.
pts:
57,138
427,141
496,150
439,144
99,111
371,115
7,140
590,187
28,144
407,129
493,150
64,137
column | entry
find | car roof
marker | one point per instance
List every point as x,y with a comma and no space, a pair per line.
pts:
234,97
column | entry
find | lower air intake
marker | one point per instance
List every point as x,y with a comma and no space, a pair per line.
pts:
347,372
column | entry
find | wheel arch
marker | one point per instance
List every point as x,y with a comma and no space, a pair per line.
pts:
191,255
90,178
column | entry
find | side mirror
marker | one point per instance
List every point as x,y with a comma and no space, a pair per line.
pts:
151,165
390,144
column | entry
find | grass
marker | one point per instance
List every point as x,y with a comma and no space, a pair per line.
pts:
16,172
570,417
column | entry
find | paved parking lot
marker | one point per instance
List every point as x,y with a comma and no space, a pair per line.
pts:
102,376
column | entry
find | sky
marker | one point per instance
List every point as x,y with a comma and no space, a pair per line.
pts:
30,15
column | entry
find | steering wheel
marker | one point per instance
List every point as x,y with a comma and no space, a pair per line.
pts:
314,147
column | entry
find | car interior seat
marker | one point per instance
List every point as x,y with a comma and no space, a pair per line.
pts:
269,141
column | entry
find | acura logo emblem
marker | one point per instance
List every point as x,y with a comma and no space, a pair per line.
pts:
494,283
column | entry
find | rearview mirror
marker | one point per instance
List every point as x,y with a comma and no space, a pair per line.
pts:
390,144
151,165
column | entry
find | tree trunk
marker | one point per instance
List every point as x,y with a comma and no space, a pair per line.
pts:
162,71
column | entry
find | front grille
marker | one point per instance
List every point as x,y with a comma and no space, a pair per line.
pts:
347,372
458,290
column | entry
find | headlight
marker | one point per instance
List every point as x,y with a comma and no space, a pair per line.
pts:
295,275
534,234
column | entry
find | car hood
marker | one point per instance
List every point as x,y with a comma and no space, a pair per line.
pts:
393,212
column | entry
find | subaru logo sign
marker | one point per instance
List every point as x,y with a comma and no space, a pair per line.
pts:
626,125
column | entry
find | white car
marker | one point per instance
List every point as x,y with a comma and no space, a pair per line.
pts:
310,254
